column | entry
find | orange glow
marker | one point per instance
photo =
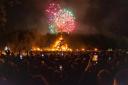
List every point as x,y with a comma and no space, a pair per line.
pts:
82,49
36,49
95,49
59,45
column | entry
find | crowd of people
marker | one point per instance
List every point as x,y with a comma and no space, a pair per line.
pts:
65,68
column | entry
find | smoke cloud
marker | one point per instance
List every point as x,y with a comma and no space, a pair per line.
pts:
24,21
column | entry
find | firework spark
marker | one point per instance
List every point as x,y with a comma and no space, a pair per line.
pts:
51,11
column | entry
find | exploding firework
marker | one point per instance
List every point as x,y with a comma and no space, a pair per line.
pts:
65,21
60,19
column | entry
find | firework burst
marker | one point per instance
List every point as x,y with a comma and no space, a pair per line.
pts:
65,21
60,19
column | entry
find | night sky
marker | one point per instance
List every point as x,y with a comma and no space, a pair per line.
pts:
95,17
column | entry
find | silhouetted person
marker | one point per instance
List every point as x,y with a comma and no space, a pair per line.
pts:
121,78
104,77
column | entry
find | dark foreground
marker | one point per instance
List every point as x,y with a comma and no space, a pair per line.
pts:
70,68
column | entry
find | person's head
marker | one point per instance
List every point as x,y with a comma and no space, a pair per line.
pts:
37,80
104,77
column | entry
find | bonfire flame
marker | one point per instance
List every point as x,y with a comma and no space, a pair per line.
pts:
60,45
